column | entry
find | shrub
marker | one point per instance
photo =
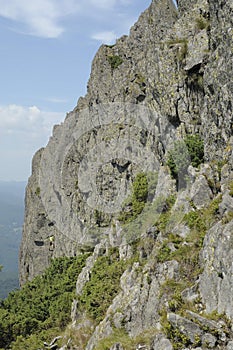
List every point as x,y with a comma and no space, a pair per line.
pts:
195,147
202,23
185,152
103,286
37,192
134,205
114,61
178,160
41,304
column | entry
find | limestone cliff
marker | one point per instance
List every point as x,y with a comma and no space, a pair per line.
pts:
154,99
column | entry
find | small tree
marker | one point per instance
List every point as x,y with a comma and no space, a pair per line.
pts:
185,152
178,160
195,147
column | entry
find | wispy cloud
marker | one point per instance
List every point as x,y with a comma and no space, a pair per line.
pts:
47,18
40,17
108,4
107,37
57,100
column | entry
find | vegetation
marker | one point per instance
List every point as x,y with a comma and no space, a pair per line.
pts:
164,207
41,305
103,286
114,61
195,147
143,190
178,339
8,281
202,23
231,189
37,192
185,152
186,251
128,343
182,43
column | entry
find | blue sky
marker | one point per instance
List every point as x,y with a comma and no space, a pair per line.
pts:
47,47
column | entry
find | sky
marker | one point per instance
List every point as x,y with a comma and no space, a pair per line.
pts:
47,47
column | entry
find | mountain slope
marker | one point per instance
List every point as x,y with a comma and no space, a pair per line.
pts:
140,173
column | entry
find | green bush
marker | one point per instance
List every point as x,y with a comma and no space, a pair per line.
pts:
185,152
37,192
143,190
194,220
42,304
134,205
202,23
114,61
178,159
195,147
103,286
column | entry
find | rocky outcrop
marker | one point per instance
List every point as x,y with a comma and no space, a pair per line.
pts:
169,79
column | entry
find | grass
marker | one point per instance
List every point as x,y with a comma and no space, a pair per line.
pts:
128,343
186,252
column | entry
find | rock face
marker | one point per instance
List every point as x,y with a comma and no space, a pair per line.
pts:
169,79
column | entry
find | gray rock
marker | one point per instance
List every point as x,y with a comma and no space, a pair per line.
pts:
185,326
160,342
190,294
201,194
226,206
117,346
209,340
216,280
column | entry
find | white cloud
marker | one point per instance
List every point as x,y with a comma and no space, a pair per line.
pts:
30,122
41,17
23,130
107,37
46,18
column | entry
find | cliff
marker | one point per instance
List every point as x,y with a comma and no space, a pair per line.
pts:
141,170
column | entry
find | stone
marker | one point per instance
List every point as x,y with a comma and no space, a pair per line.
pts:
201,194
209,340
160,342
185,326
117,346
216,280
190,294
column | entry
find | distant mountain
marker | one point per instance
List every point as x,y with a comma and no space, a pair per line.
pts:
11,221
